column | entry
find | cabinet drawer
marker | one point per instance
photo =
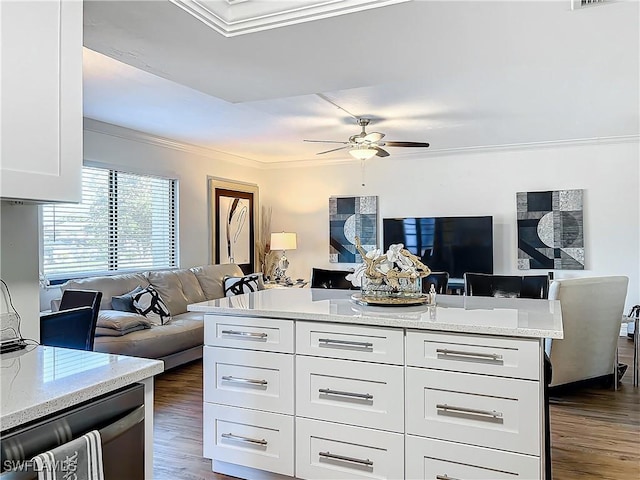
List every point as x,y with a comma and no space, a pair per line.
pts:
356,393
351,342
244,378
328,450
268,334
504,357
434,459
250,438
495,412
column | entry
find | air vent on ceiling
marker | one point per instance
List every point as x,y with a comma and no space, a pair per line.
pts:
575,4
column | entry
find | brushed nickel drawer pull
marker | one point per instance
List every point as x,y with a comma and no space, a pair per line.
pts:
492,356
445,477
237,333
346,343
328,391
239,438
367,462
229,378
486,413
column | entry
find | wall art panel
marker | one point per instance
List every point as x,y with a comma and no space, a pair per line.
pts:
550,230
350,217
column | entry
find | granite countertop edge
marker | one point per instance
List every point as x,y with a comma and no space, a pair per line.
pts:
76,397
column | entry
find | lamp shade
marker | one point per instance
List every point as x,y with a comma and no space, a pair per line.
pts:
283,241
363,153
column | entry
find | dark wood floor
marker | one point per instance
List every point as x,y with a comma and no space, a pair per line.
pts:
595,431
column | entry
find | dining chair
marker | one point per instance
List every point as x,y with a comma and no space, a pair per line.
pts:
75,298
439,280
70,328
322,278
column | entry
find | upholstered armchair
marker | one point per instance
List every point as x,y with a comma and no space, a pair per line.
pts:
591,315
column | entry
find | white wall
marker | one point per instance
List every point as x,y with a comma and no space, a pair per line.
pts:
482,183
19,263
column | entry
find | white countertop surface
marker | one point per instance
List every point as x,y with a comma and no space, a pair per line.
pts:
38,381
515,317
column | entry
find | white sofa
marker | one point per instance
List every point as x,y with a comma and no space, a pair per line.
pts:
181,339
592,309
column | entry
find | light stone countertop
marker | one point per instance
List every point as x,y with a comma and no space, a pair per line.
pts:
514,317
38,381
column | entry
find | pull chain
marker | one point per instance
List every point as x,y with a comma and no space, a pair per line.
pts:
362,171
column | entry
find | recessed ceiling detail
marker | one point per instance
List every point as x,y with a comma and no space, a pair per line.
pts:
237,17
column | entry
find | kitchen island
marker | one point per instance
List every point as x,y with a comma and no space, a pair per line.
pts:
39,382
307,383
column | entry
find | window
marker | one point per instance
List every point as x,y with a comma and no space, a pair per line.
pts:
124,222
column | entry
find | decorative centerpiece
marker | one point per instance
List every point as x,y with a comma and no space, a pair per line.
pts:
392,278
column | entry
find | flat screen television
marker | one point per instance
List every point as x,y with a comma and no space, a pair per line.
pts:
445,244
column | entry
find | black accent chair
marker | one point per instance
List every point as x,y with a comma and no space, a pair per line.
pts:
526,286
71,328
321,278
514,286
439,280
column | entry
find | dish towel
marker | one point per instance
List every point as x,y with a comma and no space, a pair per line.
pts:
79,459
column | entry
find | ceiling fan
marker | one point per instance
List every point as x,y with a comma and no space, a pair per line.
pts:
367,145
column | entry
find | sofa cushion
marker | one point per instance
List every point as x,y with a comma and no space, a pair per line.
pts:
109,285
190,286
148,302
158,341
124,302
117,320
167,284
112,332
245,284
211,278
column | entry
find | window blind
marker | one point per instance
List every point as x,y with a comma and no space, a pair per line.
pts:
125,222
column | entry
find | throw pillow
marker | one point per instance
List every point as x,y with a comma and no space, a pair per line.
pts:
147,302
238,285
124,302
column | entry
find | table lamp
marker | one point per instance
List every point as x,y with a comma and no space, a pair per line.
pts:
283,241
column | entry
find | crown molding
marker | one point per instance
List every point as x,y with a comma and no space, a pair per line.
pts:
237,17
475,149
112,130
137,136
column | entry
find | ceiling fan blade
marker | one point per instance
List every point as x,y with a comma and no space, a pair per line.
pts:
332,150
373,136
326,141
381,152
406,144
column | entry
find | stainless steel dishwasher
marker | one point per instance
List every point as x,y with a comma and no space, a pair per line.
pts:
118,416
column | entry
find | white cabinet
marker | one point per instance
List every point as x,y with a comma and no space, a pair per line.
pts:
474,409
429,459
355,393
320,400
327,450
41,101
351,342
258,380
251,438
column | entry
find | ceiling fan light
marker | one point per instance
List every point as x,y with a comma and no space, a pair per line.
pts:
363,153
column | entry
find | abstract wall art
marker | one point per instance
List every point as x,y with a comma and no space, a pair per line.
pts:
233,222
350,217
550,230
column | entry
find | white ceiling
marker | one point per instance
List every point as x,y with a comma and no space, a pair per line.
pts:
459,75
